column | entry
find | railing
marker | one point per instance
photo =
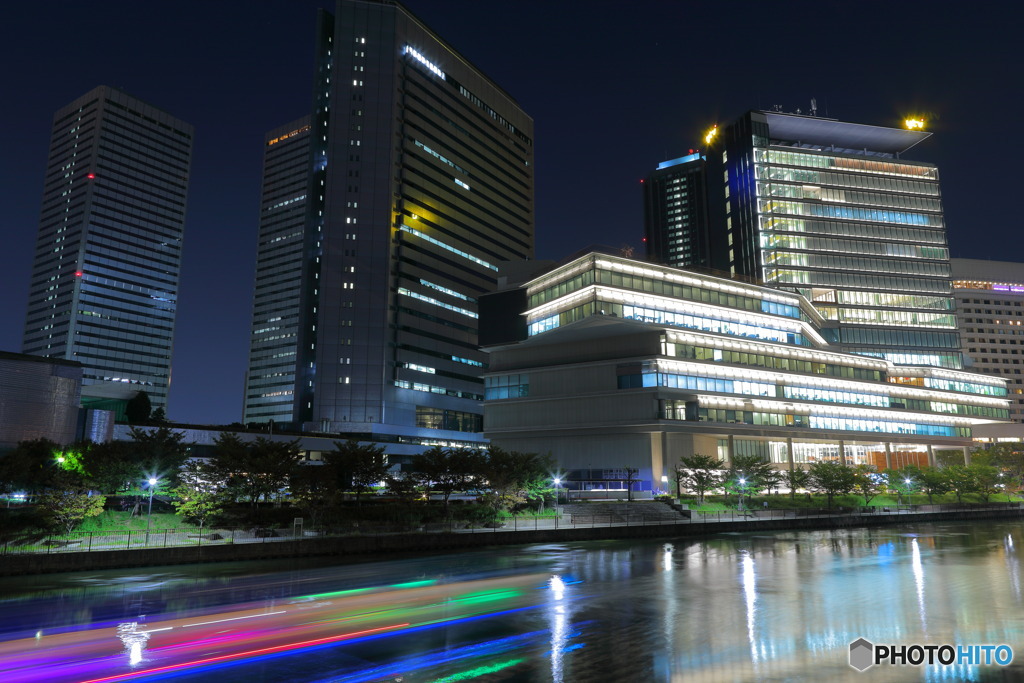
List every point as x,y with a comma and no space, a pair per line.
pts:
79,541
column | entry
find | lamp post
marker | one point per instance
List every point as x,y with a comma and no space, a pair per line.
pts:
149,515
743,483
899,493
558,483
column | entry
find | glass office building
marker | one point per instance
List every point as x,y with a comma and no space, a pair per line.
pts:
104,285
676,213
834,211
630,364
419,182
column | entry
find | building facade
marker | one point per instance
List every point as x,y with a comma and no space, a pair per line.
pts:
629,364
39,399
104,285
833,211
990,309
420,181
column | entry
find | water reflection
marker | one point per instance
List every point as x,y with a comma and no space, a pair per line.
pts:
731,607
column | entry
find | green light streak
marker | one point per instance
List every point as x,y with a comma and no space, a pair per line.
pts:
479,671
336,594
414,584
476,598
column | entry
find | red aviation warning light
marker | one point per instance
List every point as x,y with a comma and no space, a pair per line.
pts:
78,273
91,176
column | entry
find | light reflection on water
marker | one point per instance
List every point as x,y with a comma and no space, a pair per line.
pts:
732,607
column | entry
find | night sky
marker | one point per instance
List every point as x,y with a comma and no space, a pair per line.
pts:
614,88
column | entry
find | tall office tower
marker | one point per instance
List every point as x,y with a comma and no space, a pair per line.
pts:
273,349
420,183
990,309
104,285
831,210
676,224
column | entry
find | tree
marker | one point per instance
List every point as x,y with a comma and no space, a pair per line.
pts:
198,497
831,478
30,467
931,480
867,482
160,452
987,478
960,479
314,489
402,485
796,479
364,466
137,410
901,481
756,472
68,502
112,468
158,417
447,470
699,474
511,475
255,469
631,473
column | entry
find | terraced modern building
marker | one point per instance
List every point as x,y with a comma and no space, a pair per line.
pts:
418,181
104,285
630,364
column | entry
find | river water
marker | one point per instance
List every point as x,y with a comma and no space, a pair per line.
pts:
780,606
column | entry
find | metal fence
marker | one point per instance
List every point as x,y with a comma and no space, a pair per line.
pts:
79,541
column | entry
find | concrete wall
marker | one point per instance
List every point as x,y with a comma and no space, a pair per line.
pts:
346,547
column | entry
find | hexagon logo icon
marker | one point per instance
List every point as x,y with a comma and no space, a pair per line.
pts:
862,654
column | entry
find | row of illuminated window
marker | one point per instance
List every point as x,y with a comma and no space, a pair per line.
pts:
844,262
870,316
952,361
861,281
820,422
829,194
883,233
774,240
661,317
453,420
662,288
860,165
506,386
818,177
446,290
433,389
890,299
770,362
951,385
435,302
441,158
903,338
795,208
448,247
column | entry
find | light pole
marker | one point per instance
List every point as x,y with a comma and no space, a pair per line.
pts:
743,483
558,483
906,482
149,515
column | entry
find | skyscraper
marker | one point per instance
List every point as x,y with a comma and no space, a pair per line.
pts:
833,211
274,338
104,282
419,182
676,213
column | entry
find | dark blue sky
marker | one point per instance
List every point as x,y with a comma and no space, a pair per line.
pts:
613,87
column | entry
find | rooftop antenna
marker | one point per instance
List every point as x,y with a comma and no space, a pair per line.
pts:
814,107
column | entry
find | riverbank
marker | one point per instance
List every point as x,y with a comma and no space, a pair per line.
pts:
384,544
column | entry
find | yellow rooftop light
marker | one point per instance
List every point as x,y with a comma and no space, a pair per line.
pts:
710,135
914,124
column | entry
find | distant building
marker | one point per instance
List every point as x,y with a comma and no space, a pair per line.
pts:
38,399
629,364
419,181
676,222
990,309
104,286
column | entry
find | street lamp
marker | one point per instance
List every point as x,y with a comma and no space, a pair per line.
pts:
743,483
558,483
149,515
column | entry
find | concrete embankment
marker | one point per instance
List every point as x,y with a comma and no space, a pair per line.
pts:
353,546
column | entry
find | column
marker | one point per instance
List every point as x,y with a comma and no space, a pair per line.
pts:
931,456
842,453
730,453
789,453
888,455
967,455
